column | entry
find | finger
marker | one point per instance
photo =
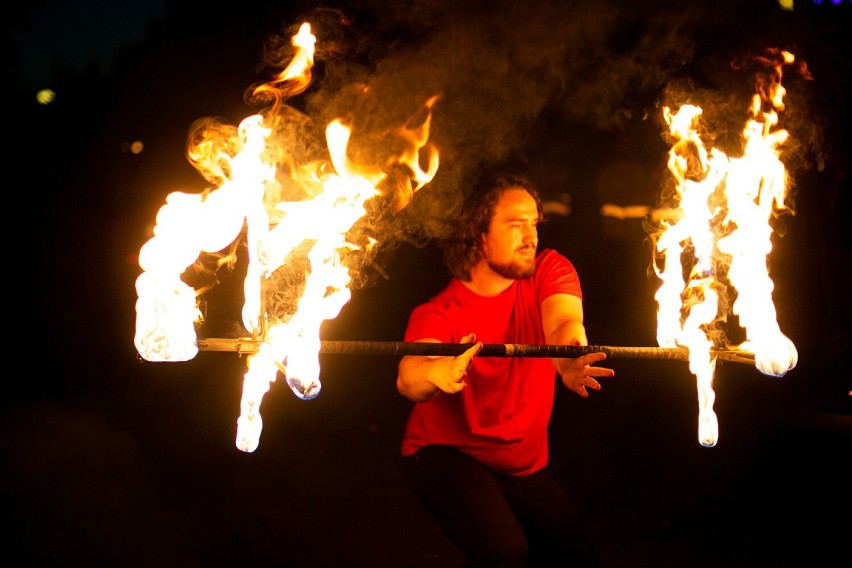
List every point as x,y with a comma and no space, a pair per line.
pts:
594,357
471,352
590,384
599,372
456,382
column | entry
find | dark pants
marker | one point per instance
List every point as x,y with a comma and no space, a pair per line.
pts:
496,519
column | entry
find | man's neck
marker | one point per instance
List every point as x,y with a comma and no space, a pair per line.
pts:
486,282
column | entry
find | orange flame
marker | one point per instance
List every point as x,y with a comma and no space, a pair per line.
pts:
243,162
725,205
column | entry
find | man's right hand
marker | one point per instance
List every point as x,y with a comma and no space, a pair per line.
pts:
421,378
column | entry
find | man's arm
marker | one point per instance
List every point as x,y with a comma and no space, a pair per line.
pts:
420,378
562,320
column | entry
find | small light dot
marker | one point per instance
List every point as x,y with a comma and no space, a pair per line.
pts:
45,96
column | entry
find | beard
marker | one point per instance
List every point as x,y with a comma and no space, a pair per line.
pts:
514,270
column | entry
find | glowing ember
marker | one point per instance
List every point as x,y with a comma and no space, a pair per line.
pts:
721,221
245,163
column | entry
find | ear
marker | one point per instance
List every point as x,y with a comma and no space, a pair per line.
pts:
483,237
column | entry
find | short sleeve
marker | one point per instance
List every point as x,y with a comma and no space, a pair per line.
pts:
429,321
556,275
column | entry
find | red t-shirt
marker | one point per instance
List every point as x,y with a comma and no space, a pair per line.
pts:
501,418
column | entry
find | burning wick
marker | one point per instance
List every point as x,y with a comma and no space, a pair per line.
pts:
247,162
722,222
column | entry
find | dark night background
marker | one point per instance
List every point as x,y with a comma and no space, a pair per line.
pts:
111,460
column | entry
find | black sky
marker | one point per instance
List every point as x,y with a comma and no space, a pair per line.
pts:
110,459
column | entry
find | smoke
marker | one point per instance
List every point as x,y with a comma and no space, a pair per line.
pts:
496,68
506,71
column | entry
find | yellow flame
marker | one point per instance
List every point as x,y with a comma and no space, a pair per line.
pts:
314,226
723,222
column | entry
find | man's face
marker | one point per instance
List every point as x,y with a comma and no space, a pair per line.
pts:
510,245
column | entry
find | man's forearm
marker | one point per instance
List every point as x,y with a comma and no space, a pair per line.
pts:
413,382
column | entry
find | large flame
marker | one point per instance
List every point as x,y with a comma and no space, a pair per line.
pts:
309,232
721,222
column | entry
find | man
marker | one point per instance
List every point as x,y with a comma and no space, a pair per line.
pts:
475,448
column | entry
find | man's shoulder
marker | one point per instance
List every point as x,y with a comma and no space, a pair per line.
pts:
442,297
449,294
551,257
442,309
555,274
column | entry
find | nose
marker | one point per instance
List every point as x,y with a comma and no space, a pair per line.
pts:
530,234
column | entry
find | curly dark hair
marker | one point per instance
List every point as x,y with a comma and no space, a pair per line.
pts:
462,250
